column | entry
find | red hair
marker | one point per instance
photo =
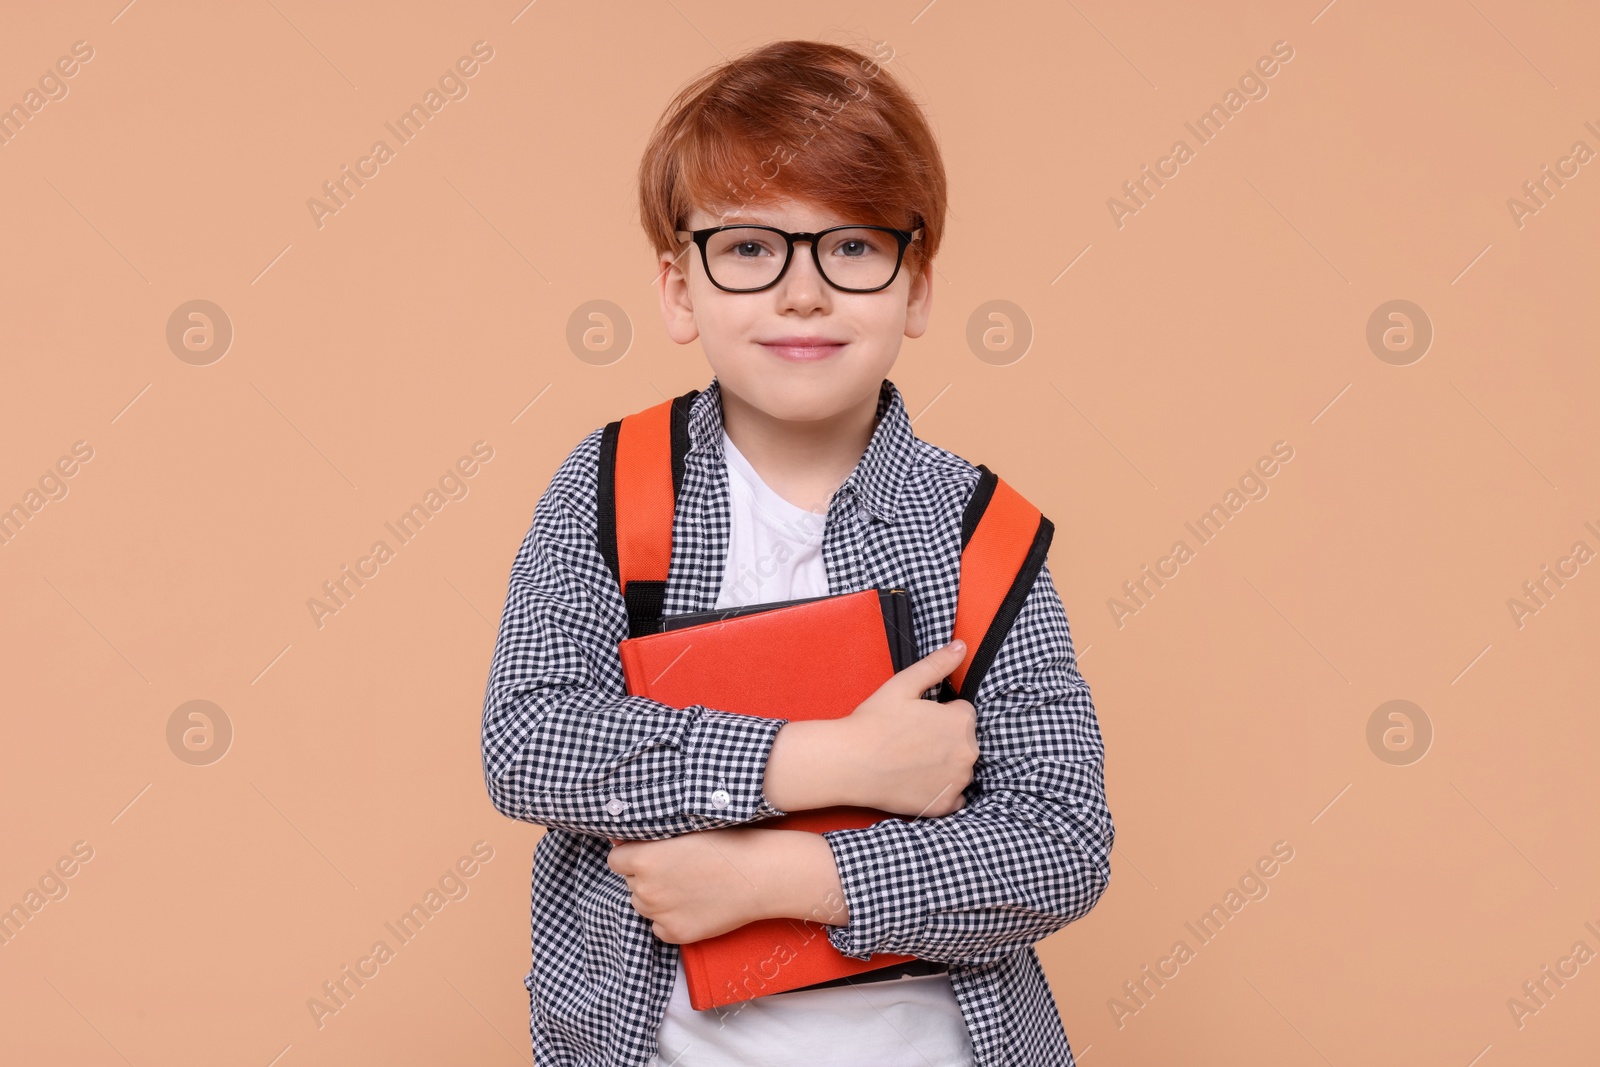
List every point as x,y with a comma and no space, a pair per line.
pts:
805,120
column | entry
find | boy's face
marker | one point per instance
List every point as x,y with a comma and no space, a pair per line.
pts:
736,330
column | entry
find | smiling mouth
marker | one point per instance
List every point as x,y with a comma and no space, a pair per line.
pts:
803,352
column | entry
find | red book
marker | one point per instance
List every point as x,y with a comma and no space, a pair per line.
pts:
813,658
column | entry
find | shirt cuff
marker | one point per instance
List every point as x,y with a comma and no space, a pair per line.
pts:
725,773
884,885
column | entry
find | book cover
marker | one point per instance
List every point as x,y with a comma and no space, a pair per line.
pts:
812,658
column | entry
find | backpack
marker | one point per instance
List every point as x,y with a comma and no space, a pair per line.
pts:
1004,538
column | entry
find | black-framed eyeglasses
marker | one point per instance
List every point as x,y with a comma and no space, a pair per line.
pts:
855,259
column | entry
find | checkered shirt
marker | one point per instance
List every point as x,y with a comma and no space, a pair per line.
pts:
566,748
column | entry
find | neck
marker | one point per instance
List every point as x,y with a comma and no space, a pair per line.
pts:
803,462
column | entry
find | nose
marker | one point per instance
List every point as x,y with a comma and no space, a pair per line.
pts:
802,284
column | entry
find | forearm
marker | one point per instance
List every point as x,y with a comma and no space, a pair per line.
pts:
564,744
1007,871
645,772
792,876
969,887
810,766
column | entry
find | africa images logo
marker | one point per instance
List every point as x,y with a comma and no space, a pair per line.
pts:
1252,86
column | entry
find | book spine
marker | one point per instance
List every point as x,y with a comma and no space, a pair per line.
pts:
631,669
695,977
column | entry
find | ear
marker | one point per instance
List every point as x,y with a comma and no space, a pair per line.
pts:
919,301
672,285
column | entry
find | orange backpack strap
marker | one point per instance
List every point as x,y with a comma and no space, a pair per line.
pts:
641,471
1004,540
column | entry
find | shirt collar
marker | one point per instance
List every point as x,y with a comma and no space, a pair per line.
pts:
877,478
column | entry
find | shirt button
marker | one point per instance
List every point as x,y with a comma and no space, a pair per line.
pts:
721,798
616,806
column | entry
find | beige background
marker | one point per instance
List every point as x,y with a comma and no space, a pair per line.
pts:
370,353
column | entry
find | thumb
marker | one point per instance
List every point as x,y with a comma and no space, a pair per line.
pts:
931,669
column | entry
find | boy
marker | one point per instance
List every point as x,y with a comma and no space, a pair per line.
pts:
802,478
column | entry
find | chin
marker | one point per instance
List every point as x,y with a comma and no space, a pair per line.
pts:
796,399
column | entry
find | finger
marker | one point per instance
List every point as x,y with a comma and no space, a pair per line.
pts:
931,669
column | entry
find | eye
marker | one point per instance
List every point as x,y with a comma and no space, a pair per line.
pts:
858,244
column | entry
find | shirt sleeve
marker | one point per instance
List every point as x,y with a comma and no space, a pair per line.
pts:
565,746
1030,851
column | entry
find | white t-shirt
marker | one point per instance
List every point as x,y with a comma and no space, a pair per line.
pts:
774,547
775,553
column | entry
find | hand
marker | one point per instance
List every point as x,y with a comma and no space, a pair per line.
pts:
914,756
695,885
702,884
